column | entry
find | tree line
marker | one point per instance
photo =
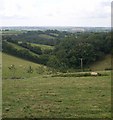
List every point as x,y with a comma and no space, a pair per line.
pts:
37,37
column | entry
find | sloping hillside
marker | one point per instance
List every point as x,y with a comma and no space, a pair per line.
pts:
21,67
21,48
9,59
103,64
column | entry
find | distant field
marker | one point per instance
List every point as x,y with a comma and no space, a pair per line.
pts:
20,65
16,46
39,97
21,48
43,47
46,36
12,32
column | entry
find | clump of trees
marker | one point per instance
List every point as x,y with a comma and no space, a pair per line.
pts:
88,46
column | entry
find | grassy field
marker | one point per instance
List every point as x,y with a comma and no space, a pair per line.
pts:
12,32
46,36
39,97
43,96
21,67
43,47
15,46
21,48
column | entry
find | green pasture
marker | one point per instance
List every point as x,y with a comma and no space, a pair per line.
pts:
21,67
58,97
46,36
21,48
37,95
43,47
12,32
16,46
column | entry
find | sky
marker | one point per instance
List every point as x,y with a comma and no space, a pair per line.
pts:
84,13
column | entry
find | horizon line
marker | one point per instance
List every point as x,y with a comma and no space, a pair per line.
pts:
53,26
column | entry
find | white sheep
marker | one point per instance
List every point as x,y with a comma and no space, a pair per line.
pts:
20,65
94,73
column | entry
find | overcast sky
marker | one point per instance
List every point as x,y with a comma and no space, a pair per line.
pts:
55,13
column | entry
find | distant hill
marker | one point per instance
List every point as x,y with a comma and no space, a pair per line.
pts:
60,28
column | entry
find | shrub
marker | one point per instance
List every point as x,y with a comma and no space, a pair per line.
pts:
108,68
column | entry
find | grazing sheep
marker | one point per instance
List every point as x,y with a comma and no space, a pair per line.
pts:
12,67
94,74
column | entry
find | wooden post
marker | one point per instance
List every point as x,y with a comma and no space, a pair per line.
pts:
81,64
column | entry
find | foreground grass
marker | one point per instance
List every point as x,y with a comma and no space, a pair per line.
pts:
58,97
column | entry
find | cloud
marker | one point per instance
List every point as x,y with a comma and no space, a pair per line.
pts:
55,12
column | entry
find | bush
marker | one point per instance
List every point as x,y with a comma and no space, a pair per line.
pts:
108,68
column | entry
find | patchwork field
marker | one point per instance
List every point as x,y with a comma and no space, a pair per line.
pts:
12,32
43,47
